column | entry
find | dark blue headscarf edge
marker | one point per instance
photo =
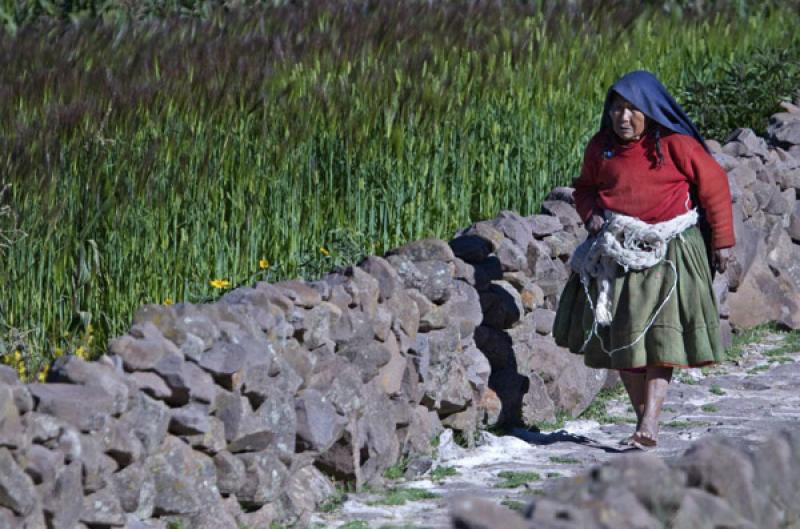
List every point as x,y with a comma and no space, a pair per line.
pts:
646,93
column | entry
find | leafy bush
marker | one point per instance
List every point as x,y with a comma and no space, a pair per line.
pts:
725,95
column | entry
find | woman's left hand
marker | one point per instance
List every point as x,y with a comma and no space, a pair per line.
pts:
720,260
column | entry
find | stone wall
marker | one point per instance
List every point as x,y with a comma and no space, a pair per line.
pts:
718,482
244,411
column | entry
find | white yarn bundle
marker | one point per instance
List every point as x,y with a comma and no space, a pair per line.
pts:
632,244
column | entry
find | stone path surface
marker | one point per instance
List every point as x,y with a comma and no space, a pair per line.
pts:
745,399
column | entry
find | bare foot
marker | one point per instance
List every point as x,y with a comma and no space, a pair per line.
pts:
644,439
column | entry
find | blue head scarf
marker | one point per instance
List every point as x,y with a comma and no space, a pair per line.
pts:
646,93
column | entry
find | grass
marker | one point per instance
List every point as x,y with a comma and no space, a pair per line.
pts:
716,390
709,408
598,409
513,479
442,472
397,470
564,460
685,424
399,496
514,505
335,501
158,159
355,524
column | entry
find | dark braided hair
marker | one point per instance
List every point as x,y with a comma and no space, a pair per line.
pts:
656,132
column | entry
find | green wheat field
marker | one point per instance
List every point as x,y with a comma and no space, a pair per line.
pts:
168,154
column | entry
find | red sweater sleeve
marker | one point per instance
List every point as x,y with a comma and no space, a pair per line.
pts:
585,193
711,183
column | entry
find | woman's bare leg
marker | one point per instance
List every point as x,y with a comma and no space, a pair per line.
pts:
656,386
635,386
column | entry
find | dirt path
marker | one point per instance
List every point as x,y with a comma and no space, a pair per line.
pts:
743,399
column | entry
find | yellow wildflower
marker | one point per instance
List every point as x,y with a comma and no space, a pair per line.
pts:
58,352
219,283
43,373
169,301
263,263
82,353
324,251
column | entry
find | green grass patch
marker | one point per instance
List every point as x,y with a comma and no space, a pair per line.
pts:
399,496
564,460
598,409
513,479
335,501
514,505
759,369
553,475
716,390
685,424
355,524
397,470
442,472
709,408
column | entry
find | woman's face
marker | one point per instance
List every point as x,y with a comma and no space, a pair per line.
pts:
628,121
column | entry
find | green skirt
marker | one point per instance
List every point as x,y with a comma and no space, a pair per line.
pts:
685,333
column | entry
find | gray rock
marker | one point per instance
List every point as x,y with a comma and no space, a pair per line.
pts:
318,424
85,407
544,225
62,500
191,419
564,212
102,508
143,348
514,227
40,463
564,194
305,490
571,385
363,289
486,231
230,472
135,489
438,280
386,276
784,128
742,175
299,293
265,477
475,513
211,441
227,361
148,420
463,309
151,384
185,480
512,258
717,465
272,425
405,312
120,443
16,487
97,466
368,357
425,250
543,320
73,370
745,142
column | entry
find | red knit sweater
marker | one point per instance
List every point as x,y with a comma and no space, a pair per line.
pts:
629,182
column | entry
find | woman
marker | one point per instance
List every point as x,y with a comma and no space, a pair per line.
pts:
640,299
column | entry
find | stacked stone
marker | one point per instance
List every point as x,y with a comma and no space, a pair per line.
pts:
518,265
763,284
241,412
718,482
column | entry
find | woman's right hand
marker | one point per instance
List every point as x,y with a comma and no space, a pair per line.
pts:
595,223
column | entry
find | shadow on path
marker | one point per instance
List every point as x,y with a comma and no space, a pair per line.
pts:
562,436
